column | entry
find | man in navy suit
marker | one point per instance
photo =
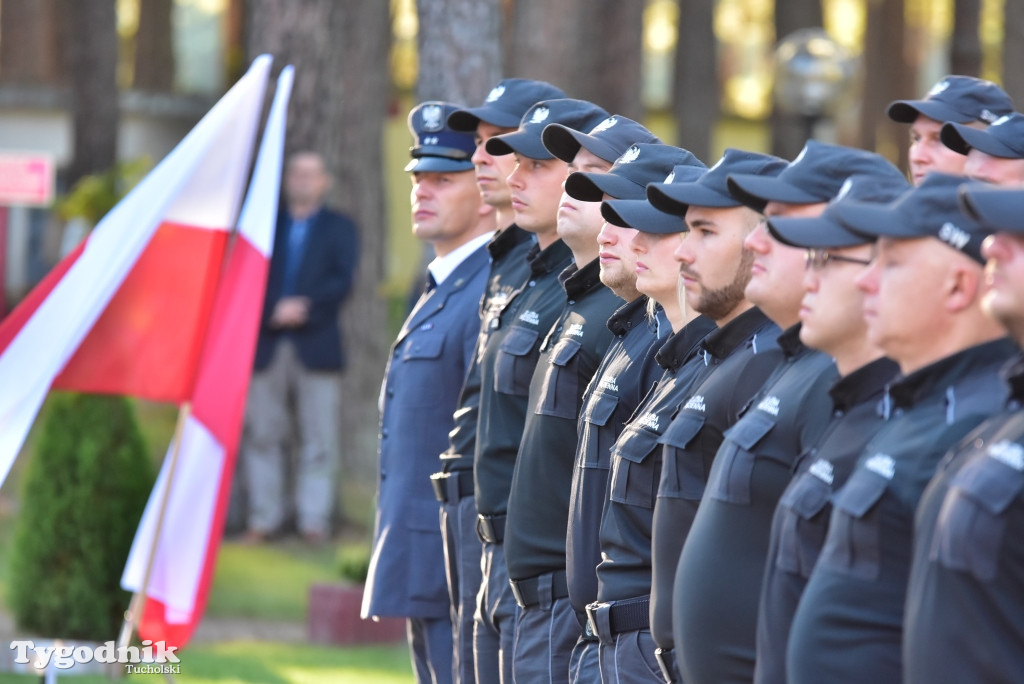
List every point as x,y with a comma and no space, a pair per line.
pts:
299,358
421,390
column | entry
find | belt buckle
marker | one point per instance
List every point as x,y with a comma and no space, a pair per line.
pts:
438,482
516,593
591,620
666,667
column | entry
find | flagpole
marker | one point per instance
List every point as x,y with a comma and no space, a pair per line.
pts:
137,604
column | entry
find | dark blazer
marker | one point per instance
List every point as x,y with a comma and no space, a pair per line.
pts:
421,390
325,276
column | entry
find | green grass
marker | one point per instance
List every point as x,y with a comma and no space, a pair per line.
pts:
249,662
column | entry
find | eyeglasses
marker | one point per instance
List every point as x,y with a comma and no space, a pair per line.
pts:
816,259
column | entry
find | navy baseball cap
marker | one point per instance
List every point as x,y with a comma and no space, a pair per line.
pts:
641,164
1004,138
437,147
825,230
814,176
527,140
995,208
639,214
960,99
505,104
929,210
607,140
711,188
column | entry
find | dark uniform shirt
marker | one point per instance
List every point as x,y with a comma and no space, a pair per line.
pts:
509,271
801,518
538,505
625,569
627,371
849,623
739,356
506,366
718,581
965,602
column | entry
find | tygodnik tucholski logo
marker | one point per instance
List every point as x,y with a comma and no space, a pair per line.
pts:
152,657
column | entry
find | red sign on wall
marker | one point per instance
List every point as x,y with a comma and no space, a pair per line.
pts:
26,179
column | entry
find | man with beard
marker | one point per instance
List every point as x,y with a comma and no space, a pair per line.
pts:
965,609
738,356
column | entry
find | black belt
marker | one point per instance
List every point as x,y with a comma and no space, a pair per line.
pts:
608,619
452,487
491,528
540,590
667,662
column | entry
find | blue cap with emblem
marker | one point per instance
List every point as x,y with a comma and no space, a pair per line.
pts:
641,164
640,214
960,99
995,208
607,140
711,189
437,147
505,104
528,141
1004,138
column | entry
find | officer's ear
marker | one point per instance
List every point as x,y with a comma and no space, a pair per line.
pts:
964,283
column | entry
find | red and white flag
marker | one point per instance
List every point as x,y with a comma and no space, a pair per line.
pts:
197,493
127,311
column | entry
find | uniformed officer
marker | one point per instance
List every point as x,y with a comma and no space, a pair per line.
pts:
715,612
421,388
715,268
994,155
832,322
512,349
965,609
922,302
500,113
958,99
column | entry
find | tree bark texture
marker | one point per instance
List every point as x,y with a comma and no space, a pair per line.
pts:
29,48
459,45
887,75
696,94
965,46
338,108
789,133
1013,50
90,39
154,49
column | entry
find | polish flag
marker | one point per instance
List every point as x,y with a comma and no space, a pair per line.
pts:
127,311
178,538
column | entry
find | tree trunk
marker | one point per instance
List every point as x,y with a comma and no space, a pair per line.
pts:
965,47
609,54
90,39
789,132
544,41
459,44
29,48
338,108
885,81
1013,50
154,50
696,98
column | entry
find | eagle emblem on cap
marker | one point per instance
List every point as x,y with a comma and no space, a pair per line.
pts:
540,115
844,190
605,125
629,155
496,92
431,115
987,116
939,87
1001,120
670,177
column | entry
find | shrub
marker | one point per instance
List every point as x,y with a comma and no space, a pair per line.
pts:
83,494
354,562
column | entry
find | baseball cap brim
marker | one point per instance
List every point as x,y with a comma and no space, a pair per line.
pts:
817,231
466,120
907,111
756,191
437,165
997,208
639,214
962,139
525,143
676,198
873,221
592,187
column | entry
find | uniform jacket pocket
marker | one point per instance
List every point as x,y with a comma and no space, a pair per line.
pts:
800,535
683,474
734,463
635,468
853,543
560,394
515,362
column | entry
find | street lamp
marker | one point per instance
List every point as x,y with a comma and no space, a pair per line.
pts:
811,73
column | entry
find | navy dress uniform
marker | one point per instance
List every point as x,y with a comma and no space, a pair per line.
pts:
849,622
428,362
